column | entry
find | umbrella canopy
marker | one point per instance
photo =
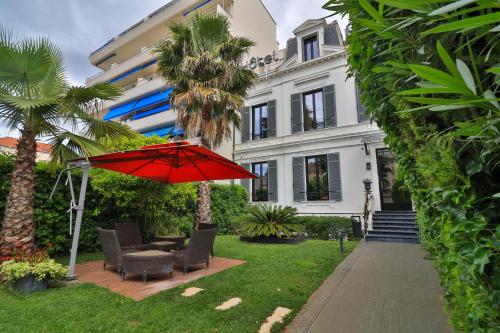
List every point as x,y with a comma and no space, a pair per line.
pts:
172,163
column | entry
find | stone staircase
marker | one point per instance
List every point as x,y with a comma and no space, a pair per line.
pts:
394,226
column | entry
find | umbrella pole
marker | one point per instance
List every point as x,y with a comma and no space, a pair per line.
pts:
78,223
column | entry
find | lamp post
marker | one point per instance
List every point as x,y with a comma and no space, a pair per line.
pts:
368,184
366,212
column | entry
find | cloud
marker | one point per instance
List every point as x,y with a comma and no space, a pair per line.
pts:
79,27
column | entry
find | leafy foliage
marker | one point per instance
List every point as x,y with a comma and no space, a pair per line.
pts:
227,201
271,221
114,197
35,96
38,264
202,62
428,72
325,227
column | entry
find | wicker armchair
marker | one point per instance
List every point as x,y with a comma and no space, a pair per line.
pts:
111,249
129,237
198,249
208,226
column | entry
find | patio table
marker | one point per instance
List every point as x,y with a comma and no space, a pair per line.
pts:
177,239
165,246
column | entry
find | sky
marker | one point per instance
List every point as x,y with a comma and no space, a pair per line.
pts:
78,27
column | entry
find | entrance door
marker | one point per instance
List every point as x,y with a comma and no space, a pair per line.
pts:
392,195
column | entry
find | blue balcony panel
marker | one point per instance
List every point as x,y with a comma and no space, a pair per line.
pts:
138,104
164,131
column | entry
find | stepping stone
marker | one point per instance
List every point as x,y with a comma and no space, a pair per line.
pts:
276,317
229,304
191,291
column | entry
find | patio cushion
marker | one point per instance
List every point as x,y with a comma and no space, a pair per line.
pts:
147,262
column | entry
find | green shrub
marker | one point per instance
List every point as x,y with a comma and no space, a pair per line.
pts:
325,227
429,76
271,221
113,197
38,264
51,217
227,201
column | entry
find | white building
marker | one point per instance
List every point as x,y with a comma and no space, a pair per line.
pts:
305,133
128,62
314,160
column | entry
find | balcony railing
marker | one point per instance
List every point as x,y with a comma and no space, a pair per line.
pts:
142,51
140,81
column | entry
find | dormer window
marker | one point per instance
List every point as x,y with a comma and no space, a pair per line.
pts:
311,48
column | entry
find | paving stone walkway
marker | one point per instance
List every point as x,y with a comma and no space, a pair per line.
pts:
379,287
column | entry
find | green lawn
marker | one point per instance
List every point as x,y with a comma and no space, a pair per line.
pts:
274,275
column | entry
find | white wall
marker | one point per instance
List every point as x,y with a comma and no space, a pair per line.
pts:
252,20
345,139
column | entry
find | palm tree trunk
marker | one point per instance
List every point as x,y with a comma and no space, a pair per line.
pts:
18,232
203,212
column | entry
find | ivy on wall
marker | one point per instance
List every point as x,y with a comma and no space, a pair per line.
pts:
429,76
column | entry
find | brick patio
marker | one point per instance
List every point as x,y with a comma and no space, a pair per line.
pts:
133,286
379,287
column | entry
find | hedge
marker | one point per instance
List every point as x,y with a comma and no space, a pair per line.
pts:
113,197
325,227
429,76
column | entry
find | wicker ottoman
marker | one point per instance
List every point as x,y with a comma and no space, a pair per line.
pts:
165,246
147,263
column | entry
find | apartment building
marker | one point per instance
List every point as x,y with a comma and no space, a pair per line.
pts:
127,61
306,135
304,132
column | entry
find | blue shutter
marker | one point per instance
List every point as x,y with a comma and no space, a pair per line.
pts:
245,126
296,100
272,178
334,182
299,184
246,182
271,118
329,105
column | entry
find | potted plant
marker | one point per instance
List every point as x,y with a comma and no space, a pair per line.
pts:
27,273
272,224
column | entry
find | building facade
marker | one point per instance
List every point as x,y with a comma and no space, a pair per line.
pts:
304,132
127,61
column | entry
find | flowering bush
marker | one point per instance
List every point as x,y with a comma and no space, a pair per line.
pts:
37,264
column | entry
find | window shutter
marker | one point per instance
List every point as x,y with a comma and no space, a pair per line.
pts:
329,106
296,113
271,118
272,178
245,126
246,182
334,183
299,184
362,114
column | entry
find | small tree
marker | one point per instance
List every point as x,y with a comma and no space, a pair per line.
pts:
36,99
203,64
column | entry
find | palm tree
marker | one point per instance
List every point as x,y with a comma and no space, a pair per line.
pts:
36,99
202,61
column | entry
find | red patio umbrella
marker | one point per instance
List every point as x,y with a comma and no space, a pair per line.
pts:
167,163
172,163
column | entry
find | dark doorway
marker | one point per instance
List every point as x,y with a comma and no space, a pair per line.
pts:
392,195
